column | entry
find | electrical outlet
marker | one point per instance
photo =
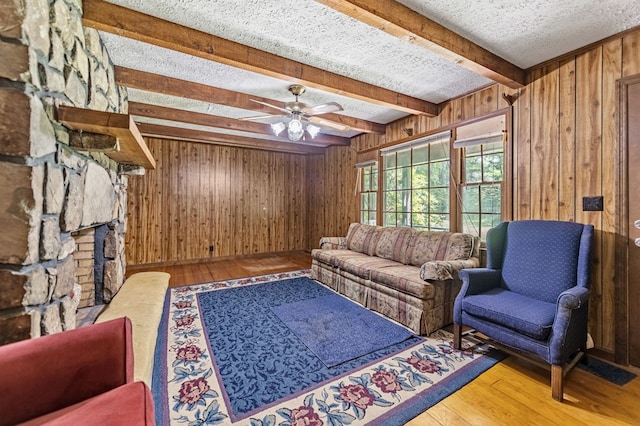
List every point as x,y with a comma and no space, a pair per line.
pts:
211,248
592,204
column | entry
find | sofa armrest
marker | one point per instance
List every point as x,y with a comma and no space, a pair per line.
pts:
48,373
333,243
441,270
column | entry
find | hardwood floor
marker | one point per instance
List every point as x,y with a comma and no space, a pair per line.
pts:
225,268
512,392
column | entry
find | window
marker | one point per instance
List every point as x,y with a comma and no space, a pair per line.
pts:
368,176
481,192
483,175
416,185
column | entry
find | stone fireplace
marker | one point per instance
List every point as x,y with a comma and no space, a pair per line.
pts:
50,193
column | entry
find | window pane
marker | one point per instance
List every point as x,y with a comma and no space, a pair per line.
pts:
420,175
439,150
439,200
374,179
390,179
492,148
439,174
439,222
420,200
493,167
390,201
471,199
488,221
389,219
364,216
366,179
421,155
364,201
403,202
372,218
473,150
419,220
404,219
490,195
404,158
471,223
404,178
373,198
389,161
473,169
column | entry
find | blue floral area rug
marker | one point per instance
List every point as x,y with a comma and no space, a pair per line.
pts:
224,357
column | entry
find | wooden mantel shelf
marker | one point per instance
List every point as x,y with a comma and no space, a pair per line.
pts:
133,149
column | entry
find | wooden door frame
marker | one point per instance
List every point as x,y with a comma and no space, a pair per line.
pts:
621,280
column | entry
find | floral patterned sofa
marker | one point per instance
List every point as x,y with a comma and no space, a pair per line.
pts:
408,275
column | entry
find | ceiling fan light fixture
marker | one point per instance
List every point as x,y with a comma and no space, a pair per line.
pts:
295,130
278,127
313,130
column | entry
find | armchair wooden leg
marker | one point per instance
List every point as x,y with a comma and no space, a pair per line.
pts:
557,385
457,336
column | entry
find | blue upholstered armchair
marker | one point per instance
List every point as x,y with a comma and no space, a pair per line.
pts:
533,296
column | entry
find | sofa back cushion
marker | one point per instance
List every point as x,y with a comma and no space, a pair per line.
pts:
392,243
429,246
363,238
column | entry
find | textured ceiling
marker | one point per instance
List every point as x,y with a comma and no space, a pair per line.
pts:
306,31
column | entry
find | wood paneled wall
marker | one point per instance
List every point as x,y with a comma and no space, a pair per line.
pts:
564,148
240,201
333,202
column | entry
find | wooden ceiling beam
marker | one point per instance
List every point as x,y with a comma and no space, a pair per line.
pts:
191,117
404,23
171,86
177,133
129,23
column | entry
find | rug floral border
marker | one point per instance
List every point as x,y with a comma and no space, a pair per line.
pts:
194,396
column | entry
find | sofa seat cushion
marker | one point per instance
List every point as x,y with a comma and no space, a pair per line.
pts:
129,404
363,266
404,278
526,315
335,257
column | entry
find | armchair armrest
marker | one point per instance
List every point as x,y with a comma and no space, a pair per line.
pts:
333,243
573,298
479,280
45,374
440,270
569,328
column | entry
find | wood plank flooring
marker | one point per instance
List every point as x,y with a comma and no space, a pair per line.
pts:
512,392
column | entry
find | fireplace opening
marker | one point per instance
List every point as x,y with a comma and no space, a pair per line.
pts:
90,256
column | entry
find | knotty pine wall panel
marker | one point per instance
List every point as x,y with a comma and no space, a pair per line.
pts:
564,147
333,203
241,201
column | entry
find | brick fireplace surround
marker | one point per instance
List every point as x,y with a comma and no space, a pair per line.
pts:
49,192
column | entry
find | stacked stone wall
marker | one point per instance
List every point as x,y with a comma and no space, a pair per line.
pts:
48,190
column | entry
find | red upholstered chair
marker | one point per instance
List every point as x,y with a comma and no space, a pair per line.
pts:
81,376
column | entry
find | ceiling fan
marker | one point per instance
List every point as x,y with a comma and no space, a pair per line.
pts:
299,112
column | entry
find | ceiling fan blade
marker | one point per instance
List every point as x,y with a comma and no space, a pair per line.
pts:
262,117
271,106
323,108
328,123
